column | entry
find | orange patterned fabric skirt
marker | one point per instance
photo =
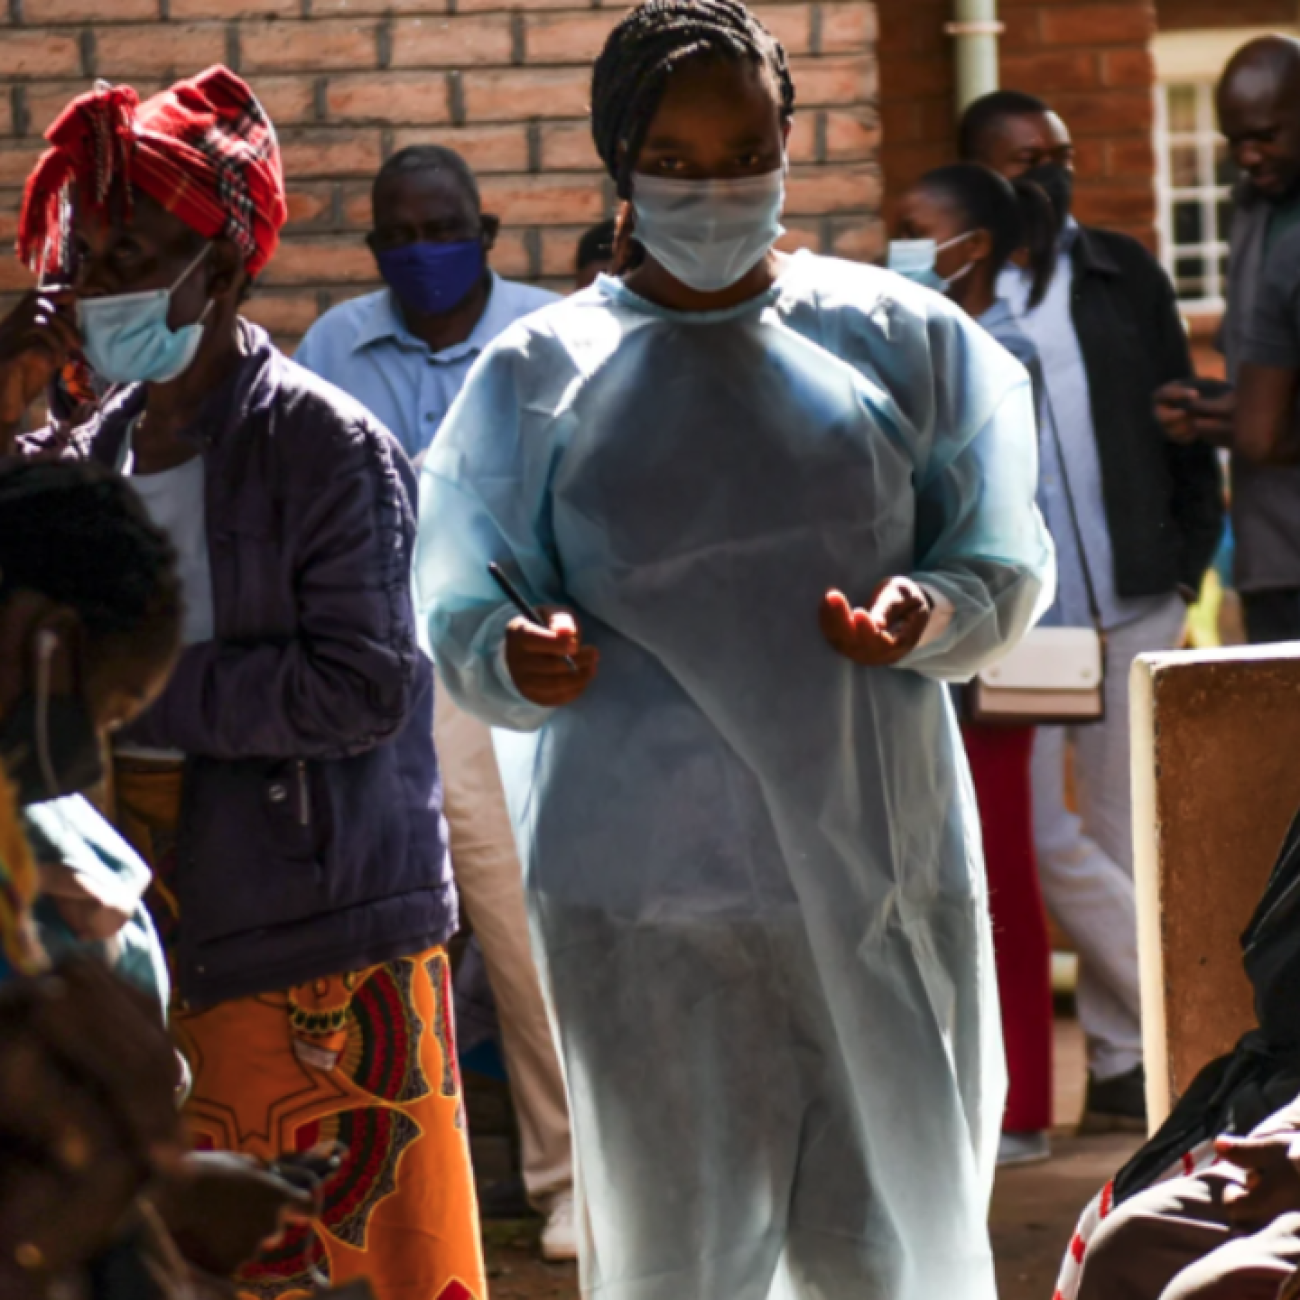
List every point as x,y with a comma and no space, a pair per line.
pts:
364,1059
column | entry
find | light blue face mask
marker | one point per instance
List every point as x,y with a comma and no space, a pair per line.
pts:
914,259
127,340
709,234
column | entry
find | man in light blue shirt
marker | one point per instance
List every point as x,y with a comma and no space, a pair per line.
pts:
404,352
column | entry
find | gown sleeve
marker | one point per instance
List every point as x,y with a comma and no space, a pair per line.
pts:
980,540
482,499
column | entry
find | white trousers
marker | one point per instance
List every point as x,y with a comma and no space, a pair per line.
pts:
491,887
1085,861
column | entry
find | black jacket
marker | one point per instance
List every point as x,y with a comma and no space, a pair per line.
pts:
1259,1080
1164,502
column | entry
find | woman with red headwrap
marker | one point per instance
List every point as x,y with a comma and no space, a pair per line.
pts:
284,786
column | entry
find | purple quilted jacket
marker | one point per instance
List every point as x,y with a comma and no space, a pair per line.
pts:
312,840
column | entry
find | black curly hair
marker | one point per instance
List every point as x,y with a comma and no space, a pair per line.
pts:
76,533
643,51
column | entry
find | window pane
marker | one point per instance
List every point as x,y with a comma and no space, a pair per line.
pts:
1224,222
1189,228
1189,277
1183,171
1182,108
1225,170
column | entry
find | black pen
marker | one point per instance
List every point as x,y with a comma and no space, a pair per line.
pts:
512,595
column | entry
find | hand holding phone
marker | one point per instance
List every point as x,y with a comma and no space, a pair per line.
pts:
36,339
1197,410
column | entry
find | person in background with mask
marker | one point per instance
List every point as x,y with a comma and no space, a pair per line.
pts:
960,227
405,352
1259,113
115,571
90,614
766,506
1136,520
283,787
99,1197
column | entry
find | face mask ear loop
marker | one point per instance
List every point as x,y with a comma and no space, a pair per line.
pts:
185,275
955,240
965,270
46,644
189,270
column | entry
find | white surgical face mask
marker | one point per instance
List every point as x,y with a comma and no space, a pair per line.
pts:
709,234
915,259
127,339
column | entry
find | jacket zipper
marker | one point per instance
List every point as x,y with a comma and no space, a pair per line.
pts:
304,795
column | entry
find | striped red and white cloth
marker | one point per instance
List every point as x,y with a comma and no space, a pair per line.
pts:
204,149
1101,1207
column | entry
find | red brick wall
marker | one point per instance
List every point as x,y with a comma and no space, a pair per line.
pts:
1191,15
350,81
1092,61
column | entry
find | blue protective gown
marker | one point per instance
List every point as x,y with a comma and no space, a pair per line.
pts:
753,866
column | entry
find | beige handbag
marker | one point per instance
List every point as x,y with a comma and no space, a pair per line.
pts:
1056,676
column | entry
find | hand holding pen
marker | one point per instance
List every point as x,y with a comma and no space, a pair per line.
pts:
548,663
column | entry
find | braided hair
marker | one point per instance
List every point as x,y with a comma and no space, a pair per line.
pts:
643,51
76,533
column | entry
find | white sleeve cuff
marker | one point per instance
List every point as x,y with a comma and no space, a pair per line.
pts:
941,613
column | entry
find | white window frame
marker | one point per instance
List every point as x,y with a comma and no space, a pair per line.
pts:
1206,139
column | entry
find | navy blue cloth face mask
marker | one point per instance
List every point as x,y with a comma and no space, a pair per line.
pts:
433,278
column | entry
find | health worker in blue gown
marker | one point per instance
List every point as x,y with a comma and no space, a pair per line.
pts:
769,505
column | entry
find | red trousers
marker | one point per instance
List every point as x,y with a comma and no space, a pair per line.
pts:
999,762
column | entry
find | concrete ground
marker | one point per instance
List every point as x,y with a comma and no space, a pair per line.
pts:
1034,1209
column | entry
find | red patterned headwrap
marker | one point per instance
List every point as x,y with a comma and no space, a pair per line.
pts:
205,150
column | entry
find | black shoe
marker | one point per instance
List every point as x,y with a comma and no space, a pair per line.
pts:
1117,1105
505,1201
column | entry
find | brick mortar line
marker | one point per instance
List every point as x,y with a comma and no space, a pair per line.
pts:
305,19
801,170
532,241
804,168
234,54
86,43
456,98
22,118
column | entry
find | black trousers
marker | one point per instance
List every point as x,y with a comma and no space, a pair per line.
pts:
1272,616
